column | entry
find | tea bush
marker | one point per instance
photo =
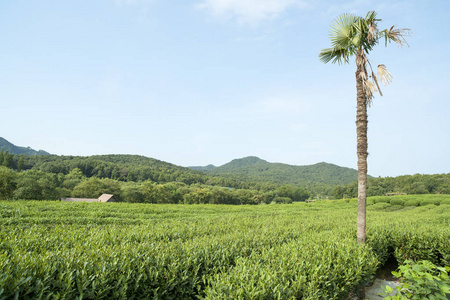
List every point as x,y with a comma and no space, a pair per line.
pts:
54,250
412,202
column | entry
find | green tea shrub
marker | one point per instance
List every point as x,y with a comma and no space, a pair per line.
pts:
379,206
422,244
285,200
397,201
425,208
412,202
424,202
394,208
354,201
315,267
381,199
381,242
55,250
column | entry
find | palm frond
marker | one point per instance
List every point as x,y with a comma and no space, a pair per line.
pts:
371,16
341,31
369,90
371,20
363,76
335,55
367,32
384,75
373,31
396,35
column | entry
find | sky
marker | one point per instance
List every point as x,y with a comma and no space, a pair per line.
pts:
200,82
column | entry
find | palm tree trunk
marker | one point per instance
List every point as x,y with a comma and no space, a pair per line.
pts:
361,145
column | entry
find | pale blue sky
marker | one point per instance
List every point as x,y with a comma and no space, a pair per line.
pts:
200,82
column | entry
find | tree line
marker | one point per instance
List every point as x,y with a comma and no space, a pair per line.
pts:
51,178
408,184
131,177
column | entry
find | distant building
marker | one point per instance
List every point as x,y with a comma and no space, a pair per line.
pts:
102,198
107,198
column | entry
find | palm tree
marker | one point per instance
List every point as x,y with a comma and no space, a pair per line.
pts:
353,35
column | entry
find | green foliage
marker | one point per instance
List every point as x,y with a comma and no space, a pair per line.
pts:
7,182
420,280
7,159
61,176
118,167
258,170
311,267
94,188
424,202
285,200
409,184
292,192
37,185
412,202
132,193
379,206
20,164
396,201
383,199
135,251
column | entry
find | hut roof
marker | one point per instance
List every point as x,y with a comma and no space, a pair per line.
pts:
105,197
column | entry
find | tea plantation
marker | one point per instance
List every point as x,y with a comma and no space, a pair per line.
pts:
55,250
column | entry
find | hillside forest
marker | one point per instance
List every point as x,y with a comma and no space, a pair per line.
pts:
139,179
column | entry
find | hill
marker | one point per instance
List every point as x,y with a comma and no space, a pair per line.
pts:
255,169
205,168
13,149
116,166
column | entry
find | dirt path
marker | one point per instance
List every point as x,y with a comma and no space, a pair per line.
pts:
373,291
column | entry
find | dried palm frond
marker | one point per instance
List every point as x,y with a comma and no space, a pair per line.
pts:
369,90
370,86
363,75
397,36
373,30
384,75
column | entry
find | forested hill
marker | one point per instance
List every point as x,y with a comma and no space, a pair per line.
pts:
200,168
115,166
255,169
13,149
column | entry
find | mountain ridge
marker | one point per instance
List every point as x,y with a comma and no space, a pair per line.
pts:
255,168
13,149
247,169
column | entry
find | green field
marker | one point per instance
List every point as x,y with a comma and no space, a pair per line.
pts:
55,250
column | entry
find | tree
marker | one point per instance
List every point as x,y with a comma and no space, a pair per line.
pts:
74,178
293,192
94,187
356,36
131,192
20,164
8,159
37,185
7,183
